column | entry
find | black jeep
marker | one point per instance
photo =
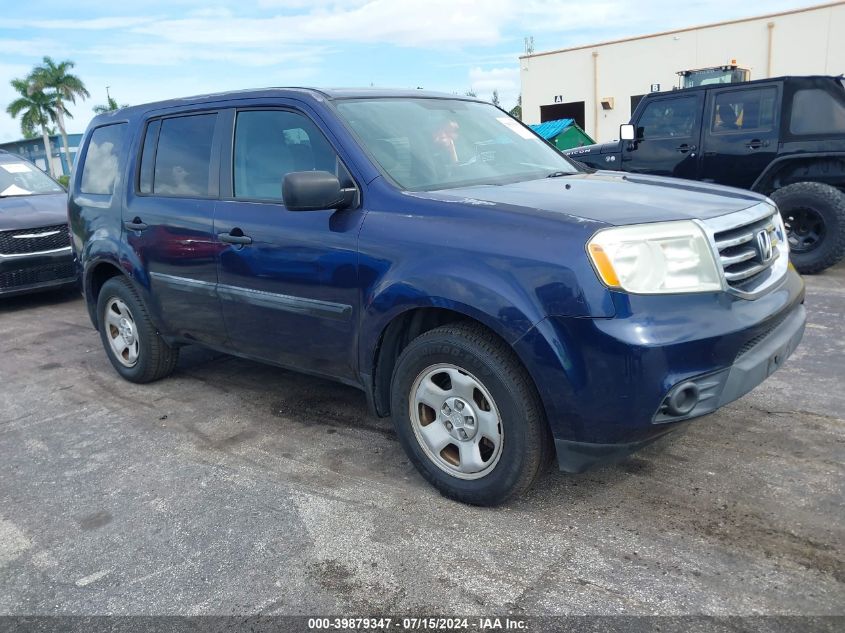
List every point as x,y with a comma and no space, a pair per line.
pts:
783,137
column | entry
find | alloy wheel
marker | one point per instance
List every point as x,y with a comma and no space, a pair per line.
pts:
456,421
122,332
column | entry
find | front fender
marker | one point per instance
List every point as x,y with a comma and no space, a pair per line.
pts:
598,156
507,316
507,268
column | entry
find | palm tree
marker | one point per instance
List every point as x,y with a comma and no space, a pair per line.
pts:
516,111
38,110
110,106
64,86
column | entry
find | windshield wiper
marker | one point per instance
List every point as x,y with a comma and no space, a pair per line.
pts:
559,174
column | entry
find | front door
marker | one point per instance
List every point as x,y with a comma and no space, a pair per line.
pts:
740,135
169,218
667,138
288,281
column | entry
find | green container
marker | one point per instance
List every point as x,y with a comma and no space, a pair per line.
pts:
563,133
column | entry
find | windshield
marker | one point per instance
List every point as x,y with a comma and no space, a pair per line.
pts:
19,178
427,144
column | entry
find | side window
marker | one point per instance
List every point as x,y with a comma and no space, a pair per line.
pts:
101,159
148,156
272,143
744,110
182,157
816,111
668,118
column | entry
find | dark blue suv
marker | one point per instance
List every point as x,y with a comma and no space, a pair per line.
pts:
502,304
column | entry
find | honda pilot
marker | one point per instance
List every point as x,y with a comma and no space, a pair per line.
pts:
503,305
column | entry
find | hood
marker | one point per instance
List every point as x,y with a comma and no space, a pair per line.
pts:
31,212
610,197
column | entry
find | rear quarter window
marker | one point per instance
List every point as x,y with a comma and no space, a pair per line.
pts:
99,172
816,111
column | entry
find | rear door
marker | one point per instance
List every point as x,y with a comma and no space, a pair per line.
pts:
290,294
169,218
740,133
667,132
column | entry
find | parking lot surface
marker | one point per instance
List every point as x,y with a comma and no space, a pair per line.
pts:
234,487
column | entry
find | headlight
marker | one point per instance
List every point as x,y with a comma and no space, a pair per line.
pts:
660,258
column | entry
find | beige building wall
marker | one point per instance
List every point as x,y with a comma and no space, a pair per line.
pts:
801,42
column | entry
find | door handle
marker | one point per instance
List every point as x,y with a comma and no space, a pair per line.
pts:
755,143
684,148
135,224
235,236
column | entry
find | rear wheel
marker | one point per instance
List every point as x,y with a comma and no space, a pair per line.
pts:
814,216
468,416
134,347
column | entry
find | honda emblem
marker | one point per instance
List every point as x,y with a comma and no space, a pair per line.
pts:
764,246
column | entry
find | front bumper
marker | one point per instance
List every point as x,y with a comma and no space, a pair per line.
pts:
756,363
21,274
604,383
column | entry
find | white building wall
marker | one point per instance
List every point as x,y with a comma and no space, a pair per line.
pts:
803,42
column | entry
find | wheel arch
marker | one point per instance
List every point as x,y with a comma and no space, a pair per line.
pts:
824,167
405,325
94,277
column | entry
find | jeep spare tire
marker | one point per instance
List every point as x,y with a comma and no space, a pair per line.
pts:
814,215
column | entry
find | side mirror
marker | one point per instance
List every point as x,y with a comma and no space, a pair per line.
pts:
627,132
314,191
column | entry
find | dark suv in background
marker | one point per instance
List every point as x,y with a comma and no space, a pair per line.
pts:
782,137
501,303
34,240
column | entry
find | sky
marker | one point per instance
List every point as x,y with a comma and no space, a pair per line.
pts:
147,50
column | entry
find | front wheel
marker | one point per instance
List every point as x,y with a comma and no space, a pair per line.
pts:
814,216
468,416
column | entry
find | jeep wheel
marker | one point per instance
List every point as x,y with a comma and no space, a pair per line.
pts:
468,415
814,215
129,337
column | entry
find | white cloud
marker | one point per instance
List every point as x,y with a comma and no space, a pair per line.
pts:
304,4
93,24
156,54
26,48
413,23
567,15
277,42
504,80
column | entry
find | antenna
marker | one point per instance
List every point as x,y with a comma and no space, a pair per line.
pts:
529,44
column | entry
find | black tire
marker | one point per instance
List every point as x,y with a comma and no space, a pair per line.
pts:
526,444
155,358
824,204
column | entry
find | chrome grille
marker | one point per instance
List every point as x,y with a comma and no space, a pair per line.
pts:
741,254
26,241
751,247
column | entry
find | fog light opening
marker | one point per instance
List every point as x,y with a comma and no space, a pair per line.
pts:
683,399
